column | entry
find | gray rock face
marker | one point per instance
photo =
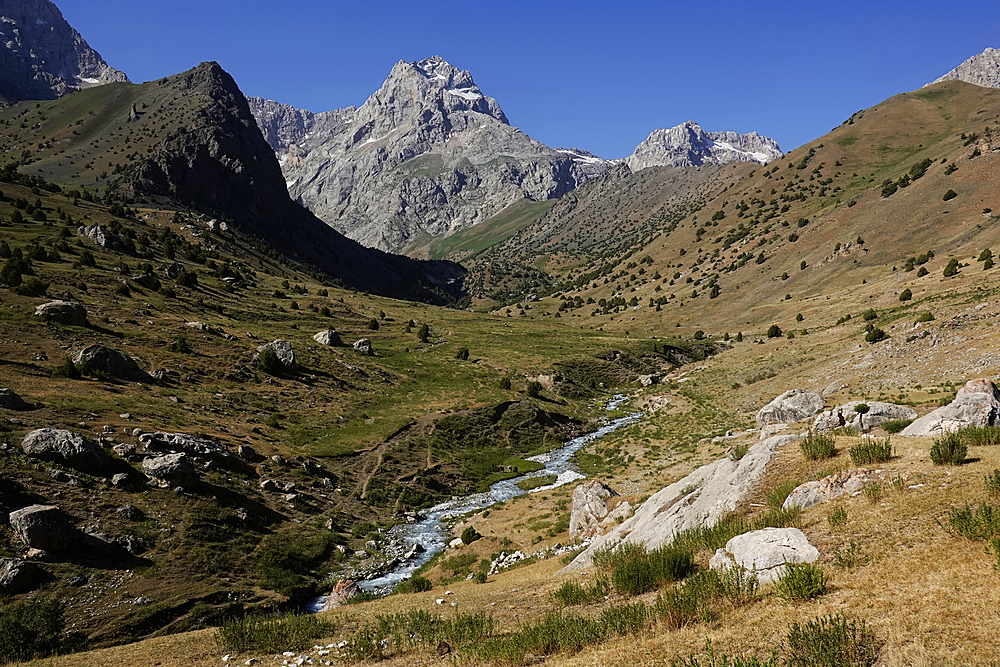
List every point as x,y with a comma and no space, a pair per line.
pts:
171,470
981,70
65,447
41,527
63,312
845,415
590,506
765,552
718,487
833,486
42,56
328,337
18,576
364,346
11,401
428,154
687,145
116,364
100,236
791,406
283,351
975,404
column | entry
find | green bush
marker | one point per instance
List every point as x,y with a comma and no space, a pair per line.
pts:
68,370
951,269
876,335
739,451
34,629
268,362
774,331
906,295
895,425
832,641
816,447
633,571
926,316
463,354
373,324
837,517
993,483
572,593
949,450
982,523
470,535
871,450
980,435
534,388
272,634
776,498
948,196
869,315
415,584
801,581
724,660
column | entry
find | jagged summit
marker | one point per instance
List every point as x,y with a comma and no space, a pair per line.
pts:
42,56
689,145
982,69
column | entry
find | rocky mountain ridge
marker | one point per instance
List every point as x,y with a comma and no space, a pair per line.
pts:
42,56
426,155
687,145
982,69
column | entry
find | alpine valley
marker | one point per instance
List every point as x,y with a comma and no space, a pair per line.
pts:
249,354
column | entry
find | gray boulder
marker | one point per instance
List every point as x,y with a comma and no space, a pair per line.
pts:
18,576
764,553
590,506
205,448
63,312
41,527
283,351
66,447
115,364
975,404
171,470
845,415
328,337
364,346
792,406
11,401
833,486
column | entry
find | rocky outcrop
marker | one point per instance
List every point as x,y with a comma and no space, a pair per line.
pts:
791,406
849,482
282,351
41,527
427,155
687,145
100,236
202,448
112,363
11,401
18,576
65,447
171,470
982,69
328,337
42,56
976,404
700,499
590,506
846,416
343,590
765,552
62,312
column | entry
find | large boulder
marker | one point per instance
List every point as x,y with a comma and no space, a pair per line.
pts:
171,470
700,499
845,415
764,553
205,448
848,482
792,406
63,312
66,447
343,590
328,337
41,527
364,346
18,576
283,351
975,404
590,506
11,401
111,362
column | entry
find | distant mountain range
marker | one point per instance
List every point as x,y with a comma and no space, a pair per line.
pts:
687,145
42,56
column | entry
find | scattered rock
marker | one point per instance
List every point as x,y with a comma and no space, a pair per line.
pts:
124,482
147,280
283,351
328,337
975,404
846,415
11,401
791,406
200,326
62,312
99,542
364,346
204,448
101,237
765,552
65,447
268,485
248,454
343,590
590,505
828,488
18,576
110,362
171,470
651,379
126,450
64,477
41,527
132,544
130,513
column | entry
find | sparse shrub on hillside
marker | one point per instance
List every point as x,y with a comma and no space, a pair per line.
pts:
633,571
572,593
415,584
993,483
801,581
922,272
815,446
871,450
833,641
34,629
776,498
268,362
949,449
985,255
951,269
905,295
373,324
837,517
462,354
981,436
876,335
988,264
534,388
981,523
895,425
869,315
774,331
68,370
423,333
951,194
926,316
505,384
950,169
470,535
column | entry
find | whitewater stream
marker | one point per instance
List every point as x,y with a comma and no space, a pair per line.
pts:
432,533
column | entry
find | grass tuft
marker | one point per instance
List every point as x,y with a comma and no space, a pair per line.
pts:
272,634
949,450
816,447
801,581
832,640
870,451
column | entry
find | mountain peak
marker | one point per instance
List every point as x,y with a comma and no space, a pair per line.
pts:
688,144
982,69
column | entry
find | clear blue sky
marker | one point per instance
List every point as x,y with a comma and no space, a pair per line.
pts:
596,75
